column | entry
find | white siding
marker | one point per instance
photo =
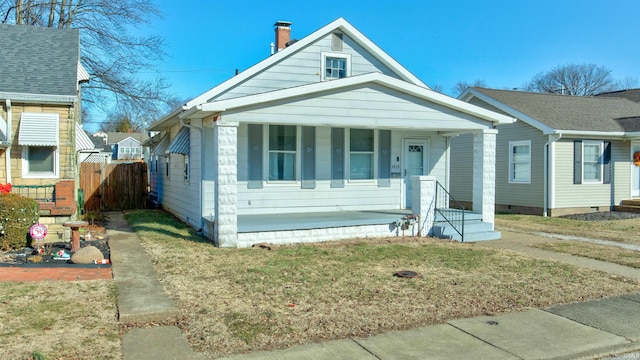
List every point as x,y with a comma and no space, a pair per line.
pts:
369,106
304,67
461,180
181,197
356,195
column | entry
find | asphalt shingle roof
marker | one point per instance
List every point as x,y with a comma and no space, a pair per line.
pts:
631,94
579,113
37,60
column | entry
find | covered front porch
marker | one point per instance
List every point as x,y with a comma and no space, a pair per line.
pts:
430,215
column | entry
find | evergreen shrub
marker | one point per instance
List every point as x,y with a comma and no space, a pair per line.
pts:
17,214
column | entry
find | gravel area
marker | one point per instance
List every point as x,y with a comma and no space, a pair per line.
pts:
603,216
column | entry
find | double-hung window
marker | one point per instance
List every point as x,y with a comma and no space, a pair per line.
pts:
520,162
282,152
335,66
592,153
361,149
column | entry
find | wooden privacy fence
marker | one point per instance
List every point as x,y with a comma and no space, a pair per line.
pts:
113,186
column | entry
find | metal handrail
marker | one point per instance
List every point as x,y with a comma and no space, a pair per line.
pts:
455,217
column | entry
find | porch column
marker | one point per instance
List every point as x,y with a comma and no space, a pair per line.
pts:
225,146
423,198
484,174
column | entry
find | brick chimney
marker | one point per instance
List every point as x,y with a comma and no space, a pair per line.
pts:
283,34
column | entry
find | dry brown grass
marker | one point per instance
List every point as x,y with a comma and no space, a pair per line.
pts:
606,253
59,320
624,230
241,300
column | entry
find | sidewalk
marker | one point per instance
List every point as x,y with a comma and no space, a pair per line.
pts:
576,331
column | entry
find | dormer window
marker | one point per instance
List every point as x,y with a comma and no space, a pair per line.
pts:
335,66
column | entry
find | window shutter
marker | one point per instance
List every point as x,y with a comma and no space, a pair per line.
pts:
308,157
384,158
606,163
577,162
337,157
255,157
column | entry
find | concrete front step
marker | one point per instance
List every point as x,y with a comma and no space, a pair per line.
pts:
474,230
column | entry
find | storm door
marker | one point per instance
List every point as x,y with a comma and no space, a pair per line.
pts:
415,163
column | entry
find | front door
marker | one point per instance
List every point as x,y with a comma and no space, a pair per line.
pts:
635,171
415,163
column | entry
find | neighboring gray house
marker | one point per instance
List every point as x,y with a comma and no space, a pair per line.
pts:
126,146
328,138
564,155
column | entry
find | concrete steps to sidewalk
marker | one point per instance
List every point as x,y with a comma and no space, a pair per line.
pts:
474,229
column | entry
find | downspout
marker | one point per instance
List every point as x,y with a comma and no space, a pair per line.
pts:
552,139
201,221
7,154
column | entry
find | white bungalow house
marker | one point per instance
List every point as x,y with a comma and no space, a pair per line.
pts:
326,139
564,155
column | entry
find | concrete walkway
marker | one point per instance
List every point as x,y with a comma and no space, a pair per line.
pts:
584,330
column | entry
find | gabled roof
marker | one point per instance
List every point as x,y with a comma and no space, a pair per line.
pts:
39,61
372,78
552,113
116,137
339,24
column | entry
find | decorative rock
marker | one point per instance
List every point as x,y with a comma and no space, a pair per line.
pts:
87,255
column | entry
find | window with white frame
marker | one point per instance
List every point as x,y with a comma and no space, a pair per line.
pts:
592,156
335,66
283,142
40,161
361,149
38,135
520,162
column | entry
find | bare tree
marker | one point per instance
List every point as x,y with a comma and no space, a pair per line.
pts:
573,79
626,83
113,57
461,86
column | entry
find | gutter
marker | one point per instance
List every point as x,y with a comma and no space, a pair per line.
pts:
547,183
7,153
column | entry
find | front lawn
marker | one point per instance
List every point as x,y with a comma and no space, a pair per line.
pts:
241,300
621,230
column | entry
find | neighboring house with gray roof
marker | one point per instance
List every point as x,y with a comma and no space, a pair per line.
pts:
40,127
631,94
126,146
564,155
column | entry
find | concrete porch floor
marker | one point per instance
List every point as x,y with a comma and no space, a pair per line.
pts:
317,220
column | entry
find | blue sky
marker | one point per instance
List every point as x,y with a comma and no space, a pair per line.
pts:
502,42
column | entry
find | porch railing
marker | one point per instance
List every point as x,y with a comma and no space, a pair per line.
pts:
453,216
42,193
